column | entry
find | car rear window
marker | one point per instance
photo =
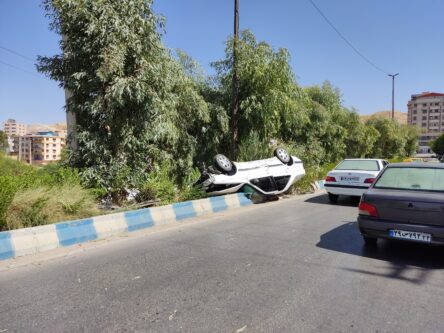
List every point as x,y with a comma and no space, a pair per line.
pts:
358,165
419,179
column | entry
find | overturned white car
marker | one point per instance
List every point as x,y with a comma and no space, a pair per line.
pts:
269,176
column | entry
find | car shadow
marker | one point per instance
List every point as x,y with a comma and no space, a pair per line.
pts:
342,201
412,262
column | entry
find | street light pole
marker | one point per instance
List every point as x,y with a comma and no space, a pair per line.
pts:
393,93
235,102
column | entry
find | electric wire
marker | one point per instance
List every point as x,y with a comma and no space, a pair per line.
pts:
346,40
16,53
21,69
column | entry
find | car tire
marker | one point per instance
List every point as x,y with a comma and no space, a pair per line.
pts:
370,241
333,198
223,163
282,155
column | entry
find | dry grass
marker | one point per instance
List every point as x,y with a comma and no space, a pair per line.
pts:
45,205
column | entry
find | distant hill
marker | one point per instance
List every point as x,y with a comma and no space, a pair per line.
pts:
42,127
400,117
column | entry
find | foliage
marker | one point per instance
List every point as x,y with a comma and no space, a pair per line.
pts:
160,186
438,145
394,140
312,174
270,101
3,142
135,105
254,148
361,138
43,205
32,196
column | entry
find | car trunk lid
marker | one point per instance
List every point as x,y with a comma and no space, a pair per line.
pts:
415,207
352,177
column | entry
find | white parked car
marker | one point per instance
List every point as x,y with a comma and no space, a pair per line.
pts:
268,176
352,177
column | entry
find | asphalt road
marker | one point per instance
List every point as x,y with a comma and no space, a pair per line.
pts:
297,265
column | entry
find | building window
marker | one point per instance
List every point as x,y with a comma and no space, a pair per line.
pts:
414,117
424,117
47,156
54,145
424,104
436,103
414,111
54,156
424,124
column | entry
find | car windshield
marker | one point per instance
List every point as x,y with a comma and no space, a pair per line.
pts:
419,179
358,165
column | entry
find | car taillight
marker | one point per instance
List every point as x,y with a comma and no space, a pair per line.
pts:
330,179
369,180
367,209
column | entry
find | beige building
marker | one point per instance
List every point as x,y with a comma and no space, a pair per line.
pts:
40,147
426,112
13,128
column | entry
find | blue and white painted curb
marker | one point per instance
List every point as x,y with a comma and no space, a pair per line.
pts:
22,242
318,185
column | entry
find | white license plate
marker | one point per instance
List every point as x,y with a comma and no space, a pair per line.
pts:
416,236
350,179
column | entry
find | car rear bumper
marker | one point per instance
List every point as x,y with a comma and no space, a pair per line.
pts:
380,229
345,189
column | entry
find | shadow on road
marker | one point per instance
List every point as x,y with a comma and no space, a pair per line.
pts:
411,262
342,201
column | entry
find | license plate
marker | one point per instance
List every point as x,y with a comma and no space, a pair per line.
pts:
350,179
416,236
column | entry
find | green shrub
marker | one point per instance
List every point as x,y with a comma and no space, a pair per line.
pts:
312,174
188,191
160,185
8,187
253,148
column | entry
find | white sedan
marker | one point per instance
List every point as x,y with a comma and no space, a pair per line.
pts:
352,177
269,176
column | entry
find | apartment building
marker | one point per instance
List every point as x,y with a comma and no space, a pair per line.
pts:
40,147
426,112
13,128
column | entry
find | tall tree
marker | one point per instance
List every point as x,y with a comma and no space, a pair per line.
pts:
438,145
134,105
270,101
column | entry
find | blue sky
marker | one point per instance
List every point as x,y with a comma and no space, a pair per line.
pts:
405,36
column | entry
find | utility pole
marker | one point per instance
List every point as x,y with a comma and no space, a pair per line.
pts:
235,102
393,93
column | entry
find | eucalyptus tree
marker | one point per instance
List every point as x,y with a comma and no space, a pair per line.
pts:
134,105
271,103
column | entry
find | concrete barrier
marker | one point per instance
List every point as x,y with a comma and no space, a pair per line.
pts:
21,242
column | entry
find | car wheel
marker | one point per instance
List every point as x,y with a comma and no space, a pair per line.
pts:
282,155
223,163
333,197
370,241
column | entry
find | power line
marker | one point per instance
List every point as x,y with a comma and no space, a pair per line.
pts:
346,41
17,53
21,69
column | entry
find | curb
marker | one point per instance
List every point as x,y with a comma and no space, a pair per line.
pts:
22,242
318,185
